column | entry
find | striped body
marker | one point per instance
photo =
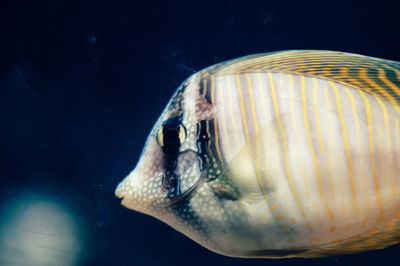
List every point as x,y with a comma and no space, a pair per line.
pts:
329,171
305,155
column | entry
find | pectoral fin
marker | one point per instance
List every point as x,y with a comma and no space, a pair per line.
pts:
249,169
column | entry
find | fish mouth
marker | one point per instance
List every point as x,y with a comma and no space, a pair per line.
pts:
120,191
125,186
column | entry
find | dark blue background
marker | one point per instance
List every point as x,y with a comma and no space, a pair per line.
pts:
82,82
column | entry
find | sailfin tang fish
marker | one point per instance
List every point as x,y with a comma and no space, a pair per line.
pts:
285,154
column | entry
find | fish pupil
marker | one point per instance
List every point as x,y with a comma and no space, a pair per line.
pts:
171,141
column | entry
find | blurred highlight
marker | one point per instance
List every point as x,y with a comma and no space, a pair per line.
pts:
37,230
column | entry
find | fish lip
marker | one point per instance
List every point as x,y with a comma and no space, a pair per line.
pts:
124,203
119,193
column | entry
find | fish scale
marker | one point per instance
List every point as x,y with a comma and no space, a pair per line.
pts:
297,155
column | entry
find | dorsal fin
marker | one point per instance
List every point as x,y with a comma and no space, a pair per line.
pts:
373,75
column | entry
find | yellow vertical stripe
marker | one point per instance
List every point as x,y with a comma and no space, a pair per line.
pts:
264,107
204,87
389,145
258,144
360,146
314,157
296,137
380,152
253,108
317,115
233,120
239,86
371,154
288,173
215,122
227,145
347,146
327,104
222,107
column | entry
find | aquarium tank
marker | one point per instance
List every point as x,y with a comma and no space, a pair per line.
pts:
84,87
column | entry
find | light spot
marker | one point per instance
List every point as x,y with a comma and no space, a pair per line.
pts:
39,231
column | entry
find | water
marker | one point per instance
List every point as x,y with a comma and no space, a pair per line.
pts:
81,85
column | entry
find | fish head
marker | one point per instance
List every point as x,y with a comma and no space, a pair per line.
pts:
172,165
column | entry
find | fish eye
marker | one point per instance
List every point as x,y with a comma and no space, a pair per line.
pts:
171,135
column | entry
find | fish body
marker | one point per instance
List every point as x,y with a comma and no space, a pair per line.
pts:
286,154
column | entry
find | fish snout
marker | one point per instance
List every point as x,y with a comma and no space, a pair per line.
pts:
120,190
125,186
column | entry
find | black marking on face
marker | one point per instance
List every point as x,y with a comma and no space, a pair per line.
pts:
205,146
207,128
175,108
172,135
206,89
170,138
202,144
184,211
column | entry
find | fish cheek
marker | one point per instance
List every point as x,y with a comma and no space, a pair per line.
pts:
188,170
183,178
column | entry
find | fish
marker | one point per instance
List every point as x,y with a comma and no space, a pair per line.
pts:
277,155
